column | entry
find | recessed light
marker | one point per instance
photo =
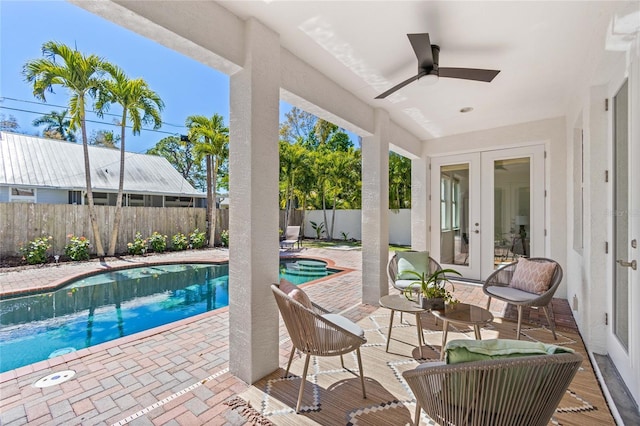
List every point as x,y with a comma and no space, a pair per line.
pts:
466,109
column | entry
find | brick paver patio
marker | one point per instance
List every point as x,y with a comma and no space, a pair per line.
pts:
172,375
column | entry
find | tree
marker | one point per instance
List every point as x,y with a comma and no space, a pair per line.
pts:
399,181
104,138
298,125
57,123
9,123
81,75
211,139
182,157
293,162
140,105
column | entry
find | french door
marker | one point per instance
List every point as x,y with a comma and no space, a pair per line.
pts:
622,337
487,208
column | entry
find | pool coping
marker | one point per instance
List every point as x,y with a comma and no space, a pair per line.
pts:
101,347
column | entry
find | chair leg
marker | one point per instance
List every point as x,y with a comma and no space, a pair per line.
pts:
293,351
488,303
519,321
417,415
304,379
342,362
552,324
364,393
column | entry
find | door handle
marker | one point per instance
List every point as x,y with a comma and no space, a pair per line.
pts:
633,264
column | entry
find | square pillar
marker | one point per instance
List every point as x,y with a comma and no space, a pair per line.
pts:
420,204
254,212
375,211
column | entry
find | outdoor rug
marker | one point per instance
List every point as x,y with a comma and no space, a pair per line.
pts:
333,396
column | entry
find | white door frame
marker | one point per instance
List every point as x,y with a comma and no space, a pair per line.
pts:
481,204
627,361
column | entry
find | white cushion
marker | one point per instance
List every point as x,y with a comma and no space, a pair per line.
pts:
345,323
402,284
511,294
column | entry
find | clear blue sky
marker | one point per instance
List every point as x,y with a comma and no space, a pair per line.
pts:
186,86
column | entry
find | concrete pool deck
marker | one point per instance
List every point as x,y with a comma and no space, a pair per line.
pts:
172,375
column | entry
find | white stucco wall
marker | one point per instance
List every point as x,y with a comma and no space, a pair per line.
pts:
350,221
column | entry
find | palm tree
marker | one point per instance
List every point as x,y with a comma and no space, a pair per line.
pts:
399,181
81,75
211,140
57,123
140,105
292,165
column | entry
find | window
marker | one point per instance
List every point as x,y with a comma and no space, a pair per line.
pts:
75,197
449,203
22,195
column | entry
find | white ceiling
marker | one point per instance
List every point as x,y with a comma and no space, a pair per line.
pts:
546,51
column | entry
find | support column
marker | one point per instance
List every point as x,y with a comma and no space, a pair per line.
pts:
420,204
253,219
375,211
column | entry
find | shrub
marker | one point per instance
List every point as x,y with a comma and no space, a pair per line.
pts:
158,242
77,248
197,239
138,246
35,251
224,238
179,241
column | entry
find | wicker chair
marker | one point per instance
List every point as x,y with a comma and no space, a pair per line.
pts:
497,286
509,391
392,272
320,333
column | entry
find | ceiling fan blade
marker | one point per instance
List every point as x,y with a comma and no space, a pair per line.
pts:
422,47
469,73
401,85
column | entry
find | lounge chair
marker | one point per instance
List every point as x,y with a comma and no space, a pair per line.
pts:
291,237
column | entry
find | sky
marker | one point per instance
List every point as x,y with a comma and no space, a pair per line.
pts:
186,86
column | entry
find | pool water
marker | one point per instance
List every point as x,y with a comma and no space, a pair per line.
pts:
114,304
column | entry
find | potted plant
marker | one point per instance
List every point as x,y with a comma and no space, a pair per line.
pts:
431,289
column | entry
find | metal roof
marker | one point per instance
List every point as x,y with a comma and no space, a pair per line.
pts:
37,162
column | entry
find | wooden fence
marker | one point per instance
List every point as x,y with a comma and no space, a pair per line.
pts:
22,222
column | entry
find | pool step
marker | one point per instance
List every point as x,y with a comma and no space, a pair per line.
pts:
308,268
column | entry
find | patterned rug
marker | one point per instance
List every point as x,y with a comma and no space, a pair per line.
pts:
333,396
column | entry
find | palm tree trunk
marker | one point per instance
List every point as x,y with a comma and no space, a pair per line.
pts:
213,212
118,216
210,200
333,218
324,212
87,175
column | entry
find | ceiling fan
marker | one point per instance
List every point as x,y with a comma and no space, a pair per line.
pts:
428,55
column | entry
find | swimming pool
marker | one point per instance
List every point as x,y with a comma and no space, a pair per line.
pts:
115,304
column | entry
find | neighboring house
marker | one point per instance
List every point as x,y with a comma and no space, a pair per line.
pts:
38,170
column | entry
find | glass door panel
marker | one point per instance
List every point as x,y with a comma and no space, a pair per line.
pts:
454,214
512,194
621,219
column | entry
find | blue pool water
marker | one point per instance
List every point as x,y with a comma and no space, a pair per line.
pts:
116,304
